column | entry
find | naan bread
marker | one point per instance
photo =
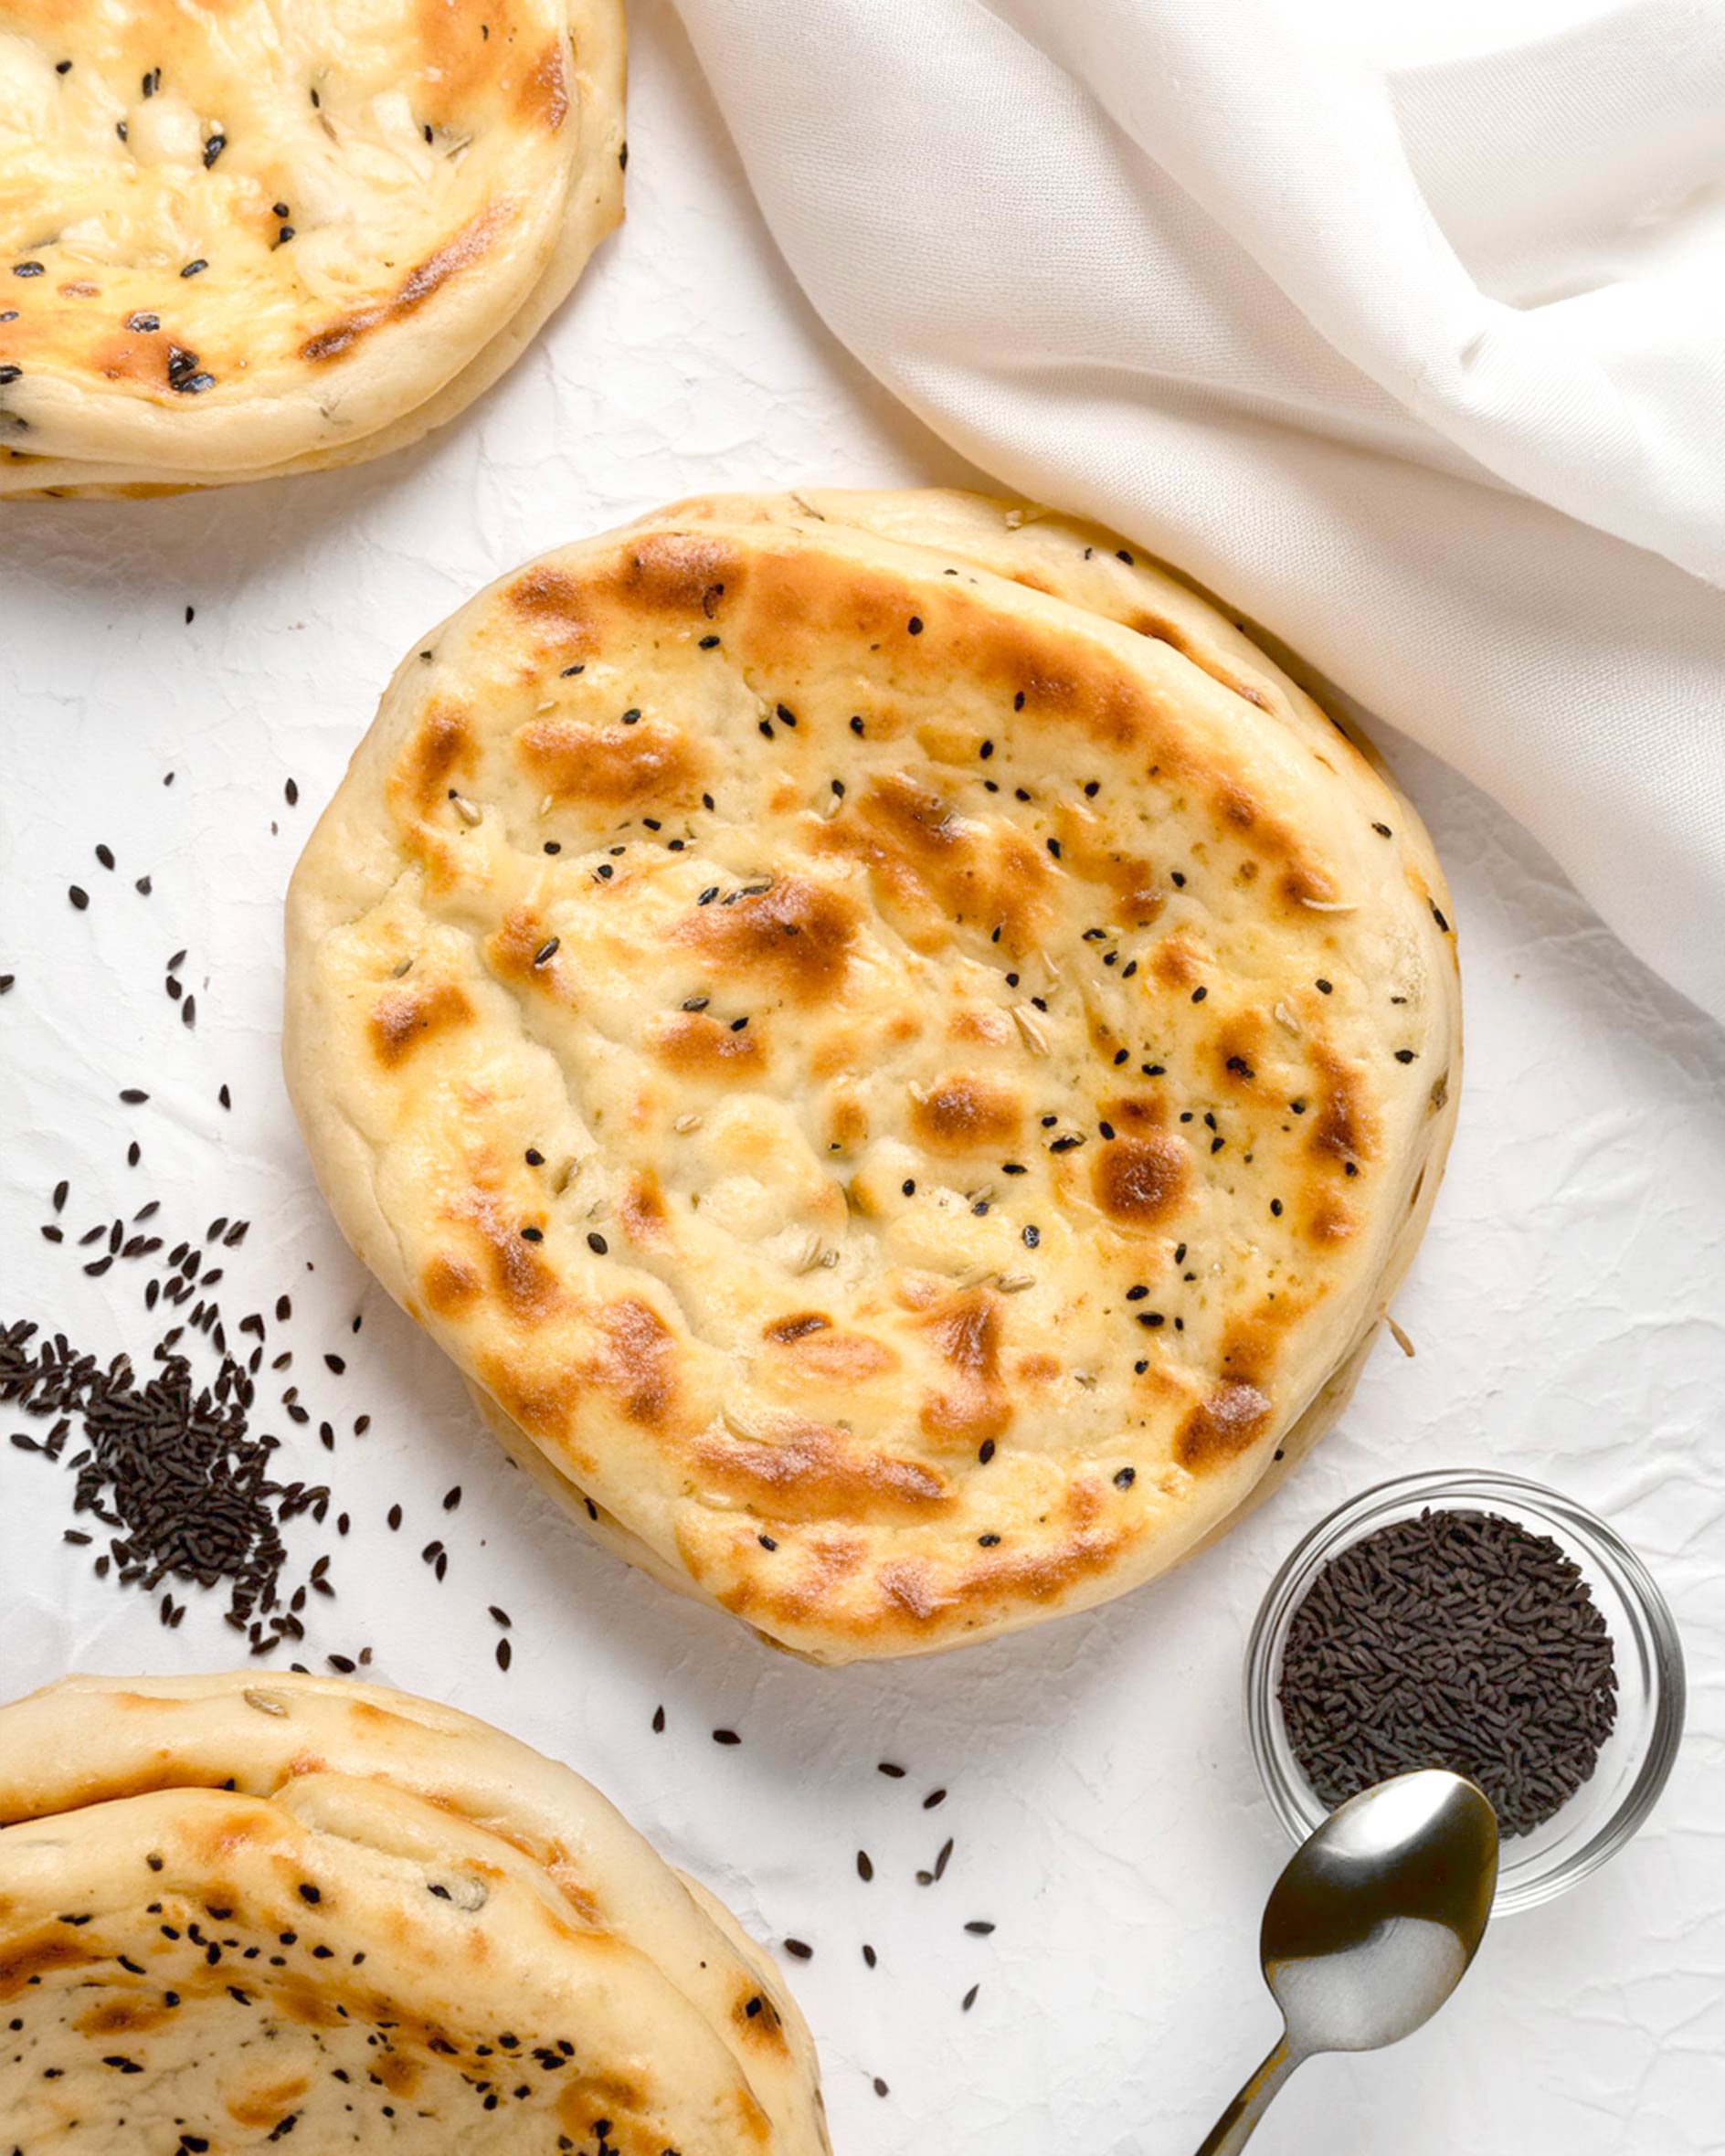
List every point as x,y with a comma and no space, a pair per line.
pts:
234,1910
249,238
898,1052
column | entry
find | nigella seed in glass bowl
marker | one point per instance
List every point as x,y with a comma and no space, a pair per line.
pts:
1480,1621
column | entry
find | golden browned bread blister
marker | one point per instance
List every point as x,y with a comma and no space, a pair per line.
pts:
245,240
238,1907
898,1052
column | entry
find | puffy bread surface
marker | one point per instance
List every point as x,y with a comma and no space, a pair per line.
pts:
239,237
897,1050
235,1908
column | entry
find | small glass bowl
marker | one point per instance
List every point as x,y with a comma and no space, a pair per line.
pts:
1633,1762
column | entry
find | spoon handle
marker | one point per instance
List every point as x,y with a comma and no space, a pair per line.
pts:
1237,2124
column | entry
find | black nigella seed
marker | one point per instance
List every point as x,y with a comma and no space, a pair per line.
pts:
597,1244
8,374
195,269
1199,995
26,269
547,951
213,147
1125,1479
726,1737
79,896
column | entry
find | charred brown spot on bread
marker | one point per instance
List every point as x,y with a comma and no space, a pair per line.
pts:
1331,1220
22,1961
143,360
798,936
984,1023
639,1362
939,866
697,1046
910,1583
544,99
677,573
965,1330
1344,1129
1227,1422
1044,1574
759,2019
798,1328
128,2014
1165,633
610,767
442,748
835,1355
848,1122
561,610
1141,1181
1303,885
640,1208
519,1276
1090,852
797,1469
404,1018
1177,962
1236,1050
458,254
264,2106
965,1112
449,1284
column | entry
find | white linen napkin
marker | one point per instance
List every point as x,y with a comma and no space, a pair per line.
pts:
1424,373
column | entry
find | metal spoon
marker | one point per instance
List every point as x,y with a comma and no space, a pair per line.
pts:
1370,1928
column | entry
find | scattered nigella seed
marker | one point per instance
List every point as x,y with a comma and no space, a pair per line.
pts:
658,1722
726,1737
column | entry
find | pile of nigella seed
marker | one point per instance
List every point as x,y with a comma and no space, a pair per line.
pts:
1460,1639
173,1487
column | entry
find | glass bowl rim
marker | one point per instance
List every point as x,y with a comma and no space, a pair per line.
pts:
1652,1624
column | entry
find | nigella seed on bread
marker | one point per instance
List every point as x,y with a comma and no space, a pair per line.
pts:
922,1056
260,239
239,1909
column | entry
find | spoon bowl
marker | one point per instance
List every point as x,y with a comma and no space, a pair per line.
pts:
1371,1927
1374,1921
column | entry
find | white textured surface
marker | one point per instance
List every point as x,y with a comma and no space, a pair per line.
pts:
1568,1311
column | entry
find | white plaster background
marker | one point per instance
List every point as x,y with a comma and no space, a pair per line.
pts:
1567,1309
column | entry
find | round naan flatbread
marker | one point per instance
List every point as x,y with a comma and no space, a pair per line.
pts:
238,1908
244,237
900,1054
